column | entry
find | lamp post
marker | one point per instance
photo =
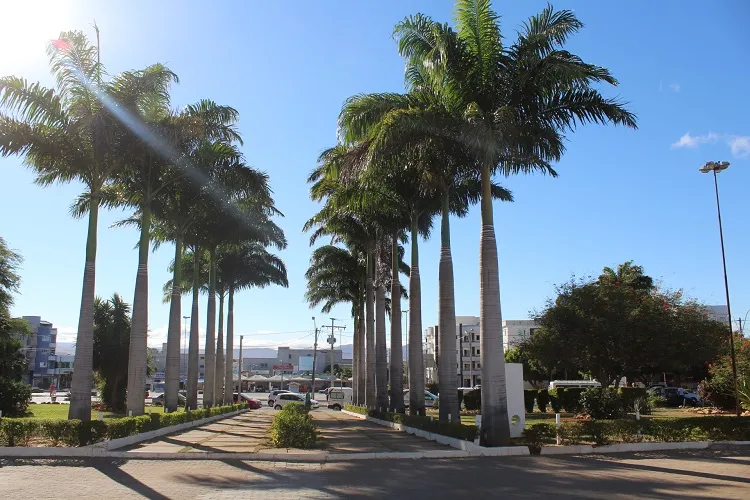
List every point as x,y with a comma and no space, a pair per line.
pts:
239,368
716,167
315,354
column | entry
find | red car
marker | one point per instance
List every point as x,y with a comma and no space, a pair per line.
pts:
253,403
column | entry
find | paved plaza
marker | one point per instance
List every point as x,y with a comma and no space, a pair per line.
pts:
689,474
247,433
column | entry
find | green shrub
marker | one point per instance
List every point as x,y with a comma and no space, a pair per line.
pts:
14,397
555,399
602,403
629,395
17,431
473,400
542,400
54,430
538,435
529,395
451,429
90,432
572,399
293,428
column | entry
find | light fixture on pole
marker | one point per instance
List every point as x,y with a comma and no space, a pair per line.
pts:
716,167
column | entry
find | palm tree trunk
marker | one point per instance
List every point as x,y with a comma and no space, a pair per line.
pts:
355,359
83,376
229,358
416,360
381,350
449,410
495,429
219,381
193,351
137,363
361,375
208,377
397,355
370,395
172,382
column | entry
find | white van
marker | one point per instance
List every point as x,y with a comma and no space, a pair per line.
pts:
338,397
429,398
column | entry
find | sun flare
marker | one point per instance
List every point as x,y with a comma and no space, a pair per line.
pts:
26,27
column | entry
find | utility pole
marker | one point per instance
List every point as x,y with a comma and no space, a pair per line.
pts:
315,355
332,340
239,368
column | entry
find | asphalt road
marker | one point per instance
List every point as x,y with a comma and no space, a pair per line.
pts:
695,474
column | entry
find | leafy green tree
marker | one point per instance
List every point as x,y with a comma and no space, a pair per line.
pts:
14,394
718,387
111,341
612,328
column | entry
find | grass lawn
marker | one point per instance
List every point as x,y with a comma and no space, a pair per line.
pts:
60,412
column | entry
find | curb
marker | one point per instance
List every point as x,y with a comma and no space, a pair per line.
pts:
636,447
104,449
466,448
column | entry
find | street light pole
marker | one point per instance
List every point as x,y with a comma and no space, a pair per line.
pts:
239,368
715,167
315,355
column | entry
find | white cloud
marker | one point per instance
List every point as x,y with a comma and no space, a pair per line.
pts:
740,145
674,87
693,141
66,334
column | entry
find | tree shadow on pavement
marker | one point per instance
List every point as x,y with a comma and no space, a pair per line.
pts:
115,473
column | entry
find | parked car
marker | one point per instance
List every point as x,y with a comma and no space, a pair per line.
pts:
272,395
285,398
675,396
253,403
338,397
429,398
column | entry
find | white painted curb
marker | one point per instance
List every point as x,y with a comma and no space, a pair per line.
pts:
104,448
470,449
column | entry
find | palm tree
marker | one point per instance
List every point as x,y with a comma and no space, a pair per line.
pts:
245,265
153,166
111,341
510,107
67,134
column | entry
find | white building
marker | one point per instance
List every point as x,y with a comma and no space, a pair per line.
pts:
468,350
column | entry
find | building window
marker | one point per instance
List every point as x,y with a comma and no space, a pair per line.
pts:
42,364
476,351
44,338
466,352
466,366
466,338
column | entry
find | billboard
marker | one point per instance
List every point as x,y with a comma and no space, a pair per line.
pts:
305,363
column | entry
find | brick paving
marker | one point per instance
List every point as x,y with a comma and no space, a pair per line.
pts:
247,433
686,474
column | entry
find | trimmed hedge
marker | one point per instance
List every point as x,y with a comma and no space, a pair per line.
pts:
630,394
708,428
293,427
451,429
542,400
555,400
529,395
473,400
20,431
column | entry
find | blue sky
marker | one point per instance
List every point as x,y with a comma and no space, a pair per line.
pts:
288,66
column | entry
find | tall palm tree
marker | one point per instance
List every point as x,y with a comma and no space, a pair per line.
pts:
246,265
68,134
510,107
152,167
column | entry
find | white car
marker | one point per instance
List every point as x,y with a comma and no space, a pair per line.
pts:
274,394
429,398
285,398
